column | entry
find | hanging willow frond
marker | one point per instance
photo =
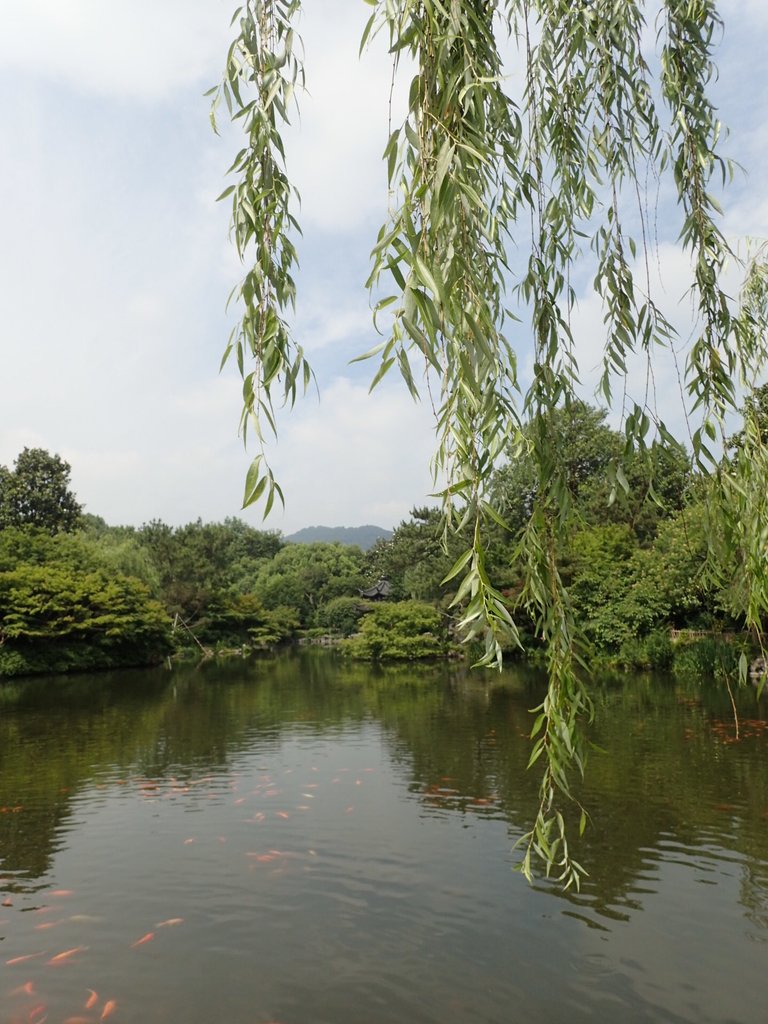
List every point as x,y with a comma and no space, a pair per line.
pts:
261,76
444,252
495,202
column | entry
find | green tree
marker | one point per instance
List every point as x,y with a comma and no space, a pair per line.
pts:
671,581
36,493
737,510
199,563
594,466
597,574
241,619
755,411
120,550
477,179
307,576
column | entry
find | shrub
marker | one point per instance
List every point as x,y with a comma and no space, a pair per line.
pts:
405,630
59,619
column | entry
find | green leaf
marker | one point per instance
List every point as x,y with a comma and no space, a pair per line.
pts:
255,482
458,566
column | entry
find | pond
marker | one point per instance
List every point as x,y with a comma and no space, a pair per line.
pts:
303,841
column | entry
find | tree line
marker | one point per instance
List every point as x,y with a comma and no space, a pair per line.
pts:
77,593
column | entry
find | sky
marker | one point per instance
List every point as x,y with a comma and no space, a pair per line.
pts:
115,262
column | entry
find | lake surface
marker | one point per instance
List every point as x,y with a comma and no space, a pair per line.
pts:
307,842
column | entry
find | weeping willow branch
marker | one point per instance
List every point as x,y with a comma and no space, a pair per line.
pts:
495,201
444,252
262,73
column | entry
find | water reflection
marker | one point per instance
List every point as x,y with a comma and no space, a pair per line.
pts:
361,822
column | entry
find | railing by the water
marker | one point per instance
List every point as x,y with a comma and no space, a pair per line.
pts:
683,635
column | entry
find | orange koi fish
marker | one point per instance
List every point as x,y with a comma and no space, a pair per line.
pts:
27,989
60,958
92,999
46,924
282,814
144,938
170,922
63,892
37,1014
21,959
109,1008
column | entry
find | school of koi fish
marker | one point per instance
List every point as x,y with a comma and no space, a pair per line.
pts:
32,1001
52,944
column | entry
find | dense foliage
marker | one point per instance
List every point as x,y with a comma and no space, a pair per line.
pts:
633,568
96,596
56,619
63,608
308,576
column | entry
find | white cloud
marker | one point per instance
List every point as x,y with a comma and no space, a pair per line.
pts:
355,458
335,152
351,459
324,318
141,49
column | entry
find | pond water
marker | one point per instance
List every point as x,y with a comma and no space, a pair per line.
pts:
307,842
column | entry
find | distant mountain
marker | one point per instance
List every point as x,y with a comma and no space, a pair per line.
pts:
364,536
